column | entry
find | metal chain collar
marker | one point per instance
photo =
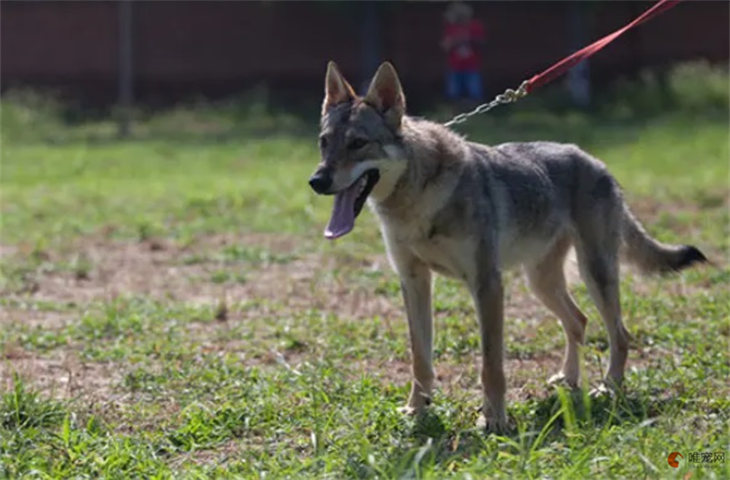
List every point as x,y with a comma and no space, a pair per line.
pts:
509,96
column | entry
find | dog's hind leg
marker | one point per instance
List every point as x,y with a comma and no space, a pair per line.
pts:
547,280
597,246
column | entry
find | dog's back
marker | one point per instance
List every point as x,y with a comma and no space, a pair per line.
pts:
530,195
558,188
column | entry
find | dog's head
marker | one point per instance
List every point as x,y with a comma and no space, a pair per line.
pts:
359,143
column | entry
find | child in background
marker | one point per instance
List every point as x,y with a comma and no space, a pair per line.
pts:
462,40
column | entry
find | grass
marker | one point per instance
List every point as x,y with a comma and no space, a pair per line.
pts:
170,310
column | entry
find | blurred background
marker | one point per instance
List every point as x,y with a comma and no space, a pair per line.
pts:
153,54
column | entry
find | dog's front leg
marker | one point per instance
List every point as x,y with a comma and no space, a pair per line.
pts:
416,288
487,293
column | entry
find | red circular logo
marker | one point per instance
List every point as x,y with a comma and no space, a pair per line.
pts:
672,459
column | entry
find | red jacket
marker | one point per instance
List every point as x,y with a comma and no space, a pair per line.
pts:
463,41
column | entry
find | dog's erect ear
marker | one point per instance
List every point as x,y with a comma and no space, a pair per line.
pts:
386,95
336,88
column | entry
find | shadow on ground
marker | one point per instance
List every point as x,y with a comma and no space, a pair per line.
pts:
552,419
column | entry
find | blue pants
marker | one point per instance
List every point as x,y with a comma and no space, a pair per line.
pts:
460,84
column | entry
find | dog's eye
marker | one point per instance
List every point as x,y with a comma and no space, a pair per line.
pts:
322,143
356,144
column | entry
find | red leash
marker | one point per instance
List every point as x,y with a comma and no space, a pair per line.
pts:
567,63
562,66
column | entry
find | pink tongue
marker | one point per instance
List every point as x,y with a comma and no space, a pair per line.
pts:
343,212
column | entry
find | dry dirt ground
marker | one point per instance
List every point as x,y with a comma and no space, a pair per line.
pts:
163,270
157,269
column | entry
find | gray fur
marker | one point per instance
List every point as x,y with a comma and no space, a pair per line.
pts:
470,211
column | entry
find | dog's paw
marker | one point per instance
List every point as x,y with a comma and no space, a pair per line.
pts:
409,411
493,424
561,379
607,388
416,405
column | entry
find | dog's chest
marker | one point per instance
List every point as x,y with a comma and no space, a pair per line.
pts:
452,257
445,256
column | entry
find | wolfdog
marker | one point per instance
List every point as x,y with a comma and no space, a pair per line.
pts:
470,211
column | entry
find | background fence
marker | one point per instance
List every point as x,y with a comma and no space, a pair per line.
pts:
180,49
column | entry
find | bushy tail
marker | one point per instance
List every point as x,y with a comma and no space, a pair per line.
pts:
651,256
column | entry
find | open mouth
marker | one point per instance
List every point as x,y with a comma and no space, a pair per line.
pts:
349,203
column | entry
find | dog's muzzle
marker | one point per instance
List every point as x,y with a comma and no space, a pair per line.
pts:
321,181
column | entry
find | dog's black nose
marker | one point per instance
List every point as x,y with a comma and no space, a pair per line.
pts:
320,182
